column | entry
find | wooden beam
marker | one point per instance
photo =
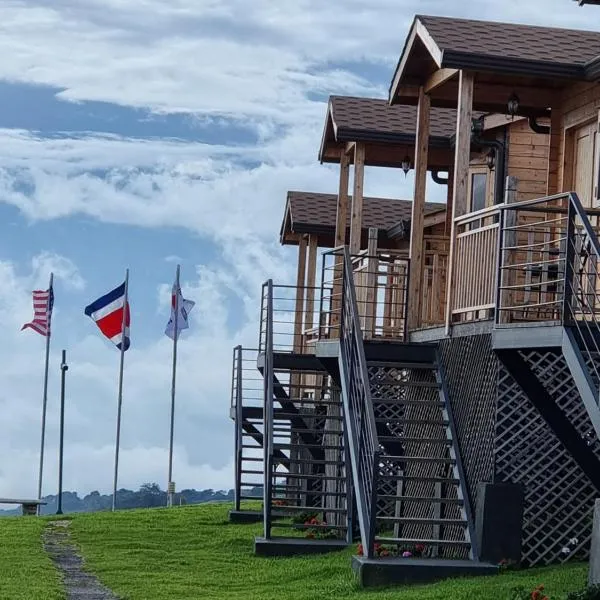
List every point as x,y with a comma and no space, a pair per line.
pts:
439,78
462,151
434,219
372,271
418,210
350,147
300,280
357,198
311,277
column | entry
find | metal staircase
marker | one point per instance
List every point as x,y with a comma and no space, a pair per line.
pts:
406,469
306,493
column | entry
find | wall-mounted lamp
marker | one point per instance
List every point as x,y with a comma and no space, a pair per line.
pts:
513,105
490,159
406,165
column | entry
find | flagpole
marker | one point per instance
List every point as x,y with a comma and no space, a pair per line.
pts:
171,484
45,394
120,397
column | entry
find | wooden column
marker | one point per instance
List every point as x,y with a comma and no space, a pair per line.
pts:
554,152
449,194
415,279
357,198
341,225
310,282
371,291
462,151
300,294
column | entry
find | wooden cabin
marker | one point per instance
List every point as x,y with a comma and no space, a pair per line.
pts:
477,393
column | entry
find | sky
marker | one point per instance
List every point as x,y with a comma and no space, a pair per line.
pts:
140,134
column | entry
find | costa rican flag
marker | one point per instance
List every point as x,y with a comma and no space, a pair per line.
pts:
107,313
43,301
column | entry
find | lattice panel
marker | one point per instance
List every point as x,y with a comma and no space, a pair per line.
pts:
558,496
471,372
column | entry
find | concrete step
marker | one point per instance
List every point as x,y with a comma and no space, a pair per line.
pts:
295,546
378,572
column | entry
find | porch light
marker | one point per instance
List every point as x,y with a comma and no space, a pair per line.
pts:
491,159
406,165
513,105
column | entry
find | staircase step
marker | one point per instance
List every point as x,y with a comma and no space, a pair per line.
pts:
424,521
374,382
415,478
292,446
301,509
422,499
410,440
403,365
248,472
316,476
424,459
279,525
401,402
252,459
308,461
412,541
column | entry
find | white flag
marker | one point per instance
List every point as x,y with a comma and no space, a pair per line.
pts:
185,306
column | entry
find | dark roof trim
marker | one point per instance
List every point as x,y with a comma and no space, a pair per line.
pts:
592,69
352,135
512,66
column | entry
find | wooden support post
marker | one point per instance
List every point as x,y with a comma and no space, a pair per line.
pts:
371,291
341,225
300,294
311,277
462,151
357,198
449,195
509,239
415,291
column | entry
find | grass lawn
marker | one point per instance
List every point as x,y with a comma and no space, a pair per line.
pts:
194,553
26,572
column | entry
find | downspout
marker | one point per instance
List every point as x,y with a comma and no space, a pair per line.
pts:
537,128
435,175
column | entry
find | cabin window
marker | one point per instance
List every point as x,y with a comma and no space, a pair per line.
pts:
478,191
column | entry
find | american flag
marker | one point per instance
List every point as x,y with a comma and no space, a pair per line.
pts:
43,301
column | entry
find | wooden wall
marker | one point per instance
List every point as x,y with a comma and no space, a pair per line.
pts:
580,105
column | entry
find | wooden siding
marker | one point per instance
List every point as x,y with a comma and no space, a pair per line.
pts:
528,154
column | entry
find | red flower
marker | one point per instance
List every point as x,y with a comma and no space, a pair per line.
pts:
535,595
359,550
420,548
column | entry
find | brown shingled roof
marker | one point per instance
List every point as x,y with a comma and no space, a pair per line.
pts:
308,212
375,118
523,42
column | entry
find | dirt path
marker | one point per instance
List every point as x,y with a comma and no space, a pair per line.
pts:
79,584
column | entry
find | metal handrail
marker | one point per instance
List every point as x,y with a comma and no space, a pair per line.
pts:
268,408
359,408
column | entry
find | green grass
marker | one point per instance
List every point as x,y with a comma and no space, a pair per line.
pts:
193,553
26,572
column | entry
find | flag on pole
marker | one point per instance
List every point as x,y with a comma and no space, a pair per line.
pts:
107,313
184,308
43,301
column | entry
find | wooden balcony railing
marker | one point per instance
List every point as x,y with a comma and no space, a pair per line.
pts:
433,303
473,291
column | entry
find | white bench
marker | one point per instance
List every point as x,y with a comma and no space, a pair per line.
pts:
29,507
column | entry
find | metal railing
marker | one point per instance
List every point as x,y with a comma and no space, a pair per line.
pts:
246,387
295,314
358,407
381,291
474,274
549,268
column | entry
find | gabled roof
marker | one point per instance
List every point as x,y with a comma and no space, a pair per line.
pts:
308,212
443,42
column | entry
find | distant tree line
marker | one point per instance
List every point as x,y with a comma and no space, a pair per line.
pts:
149,495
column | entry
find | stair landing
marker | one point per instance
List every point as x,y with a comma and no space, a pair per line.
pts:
376,572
